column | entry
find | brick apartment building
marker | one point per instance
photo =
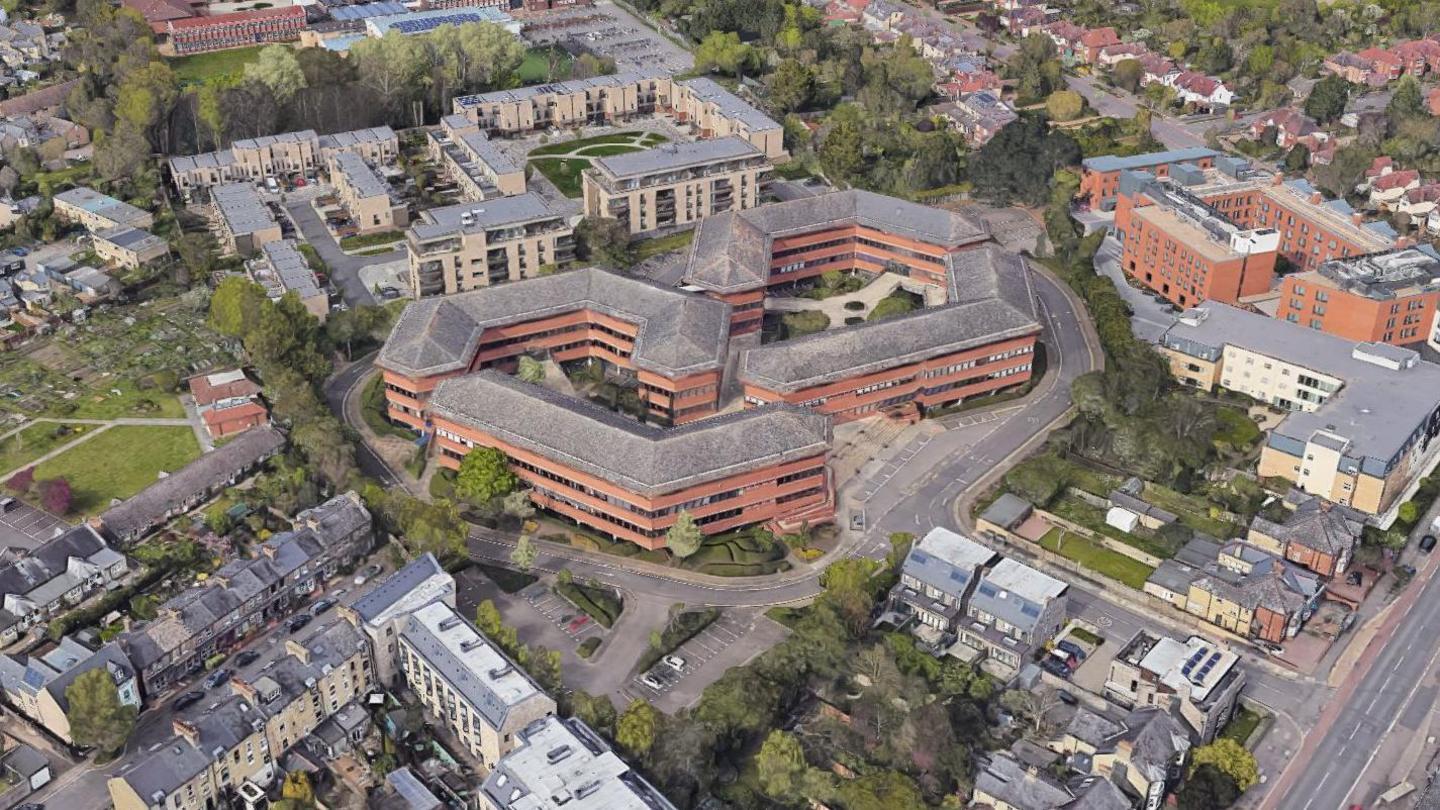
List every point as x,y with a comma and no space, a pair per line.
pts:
1389,297
1100,176
235,30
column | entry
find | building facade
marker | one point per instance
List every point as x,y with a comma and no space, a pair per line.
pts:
365,194
471,161
288,154
1389,297
129,247
473,245
1100,176
556,761
234,30
675,185
243,222
1198,679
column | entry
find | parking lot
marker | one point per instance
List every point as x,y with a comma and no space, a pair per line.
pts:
571,620
731,640
606,30
26,527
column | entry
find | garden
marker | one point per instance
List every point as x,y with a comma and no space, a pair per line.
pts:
34,441
562,162
1096,557
197,68
119,462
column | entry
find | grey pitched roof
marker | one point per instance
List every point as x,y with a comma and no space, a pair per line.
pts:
1006,779
731,251
397,586
1007,510
170,767
472,665
26,761
110,656
1093,728
946,561
642,458
676,156
1100,794
1016,593
151,505
49,562
973,321
1317,524
677,332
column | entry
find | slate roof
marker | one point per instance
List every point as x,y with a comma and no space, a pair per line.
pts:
1317,524
170,767
396,587
643,458
483,675
151,505
1007,780
946,561
991,300
677,332
731,251
45,568
1016,593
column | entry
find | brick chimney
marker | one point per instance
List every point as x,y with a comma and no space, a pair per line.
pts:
1317,198
186,729
1357,219
294,648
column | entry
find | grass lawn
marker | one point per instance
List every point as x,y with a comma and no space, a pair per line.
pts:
1093,518
1242,725
1236,429
201,66
105,403
1194,512
535,68
897,303
563,172
370,240
1097,558
646,248
572,144
609,149
119,463
35,441
48,182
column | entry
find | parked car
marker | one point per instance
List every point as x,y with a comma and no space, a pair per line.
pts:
321,606
1071,647
675,662
30,806
20,251
1067,698
1055,667
216,678
366,573
652,682
1069,661
299,621
186,700
1427,543
246,657
10,503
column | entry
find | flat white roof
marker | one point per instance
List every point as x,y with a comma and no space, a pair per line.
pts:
1024,581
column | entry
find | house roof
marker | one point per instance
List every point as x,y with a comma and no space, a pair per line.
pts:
946,561
401,591
1317,524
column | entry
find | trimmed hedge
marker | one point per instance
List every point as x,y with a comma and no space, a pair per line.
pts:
601,604
683,628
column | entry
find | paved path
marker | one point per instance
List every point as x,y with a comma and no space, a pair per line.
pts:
344,268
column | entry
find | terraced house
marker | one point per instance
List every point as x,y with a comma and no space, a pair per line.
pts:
287,154
56,575
36,684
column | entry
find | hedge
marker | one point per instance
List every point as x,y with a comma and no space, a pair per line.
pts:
601,604
678,631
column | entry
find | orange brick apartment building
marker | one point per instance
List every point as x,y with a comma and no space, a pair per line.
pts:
1100,176
1389,297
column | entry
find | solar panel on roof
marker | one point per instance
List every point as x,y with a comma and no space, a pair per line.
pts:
1030,610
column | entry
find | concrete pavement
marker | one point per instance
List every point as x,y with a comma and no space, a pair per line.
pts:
344,268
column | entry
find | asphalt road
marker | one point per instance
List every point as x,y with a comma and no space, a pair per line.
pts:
347,384
344,268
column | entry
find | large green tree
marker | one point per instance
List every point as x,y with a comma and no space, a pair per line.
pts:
635,728
1327,99
780,765
1208,788
484,475
98,719
1231,758
683,538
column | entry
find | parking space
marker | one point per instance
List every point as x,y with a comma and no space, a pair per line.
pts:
731,640
607,30
26,527
572,621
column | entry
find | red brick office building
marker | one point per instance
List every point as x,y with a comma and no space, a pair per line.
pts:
234,30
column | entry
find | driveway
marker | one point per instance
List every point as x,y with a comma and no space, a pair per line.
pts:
732,640
344,268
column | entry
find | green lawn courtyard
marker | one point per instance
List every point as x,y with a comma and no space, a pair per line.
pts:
198,67
565,171
119,462
35,441
1097,558
536,67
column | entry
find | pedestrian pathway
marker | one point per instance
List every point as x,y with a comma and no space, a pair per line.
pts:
104,424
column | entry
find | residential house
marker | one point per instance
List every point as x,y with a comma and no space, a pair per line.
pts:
129,247
381,614
35,685
1006,783
1354,69
91,285
404,791
1314,533
1197,680
1157,69
1254,594
191,485
59,573
1289,124
1066,35
1201,90
1390,188
1112,55
1383,62
1013,610
557,762
978,116
243,597
936,579
1095,40
211,758
1419,203
282,269
1418,56
343,731
1143,750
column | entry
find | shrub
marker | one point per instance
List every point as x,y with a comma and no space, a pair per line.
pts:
588,647
854,306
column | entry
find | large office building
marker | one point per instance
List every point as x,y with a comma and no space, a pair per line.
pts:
709,109
473,245
287,154
1364,416
467,684
675,185
565,764
632,480
1389,297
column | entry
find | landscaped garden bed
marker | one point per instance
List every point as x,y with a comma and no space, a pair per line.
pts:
599,603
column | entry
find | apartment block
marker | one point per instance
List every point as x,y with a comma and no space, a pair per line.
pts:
381,613
1179,246
287,154
242,220
365,194
1196,679
675,185
282,269
125,246
709,109
1364,416
1389,297
1100,176
95,212
565,762
473,245
480,168
673,342
35,684
467,684
629,480
233,30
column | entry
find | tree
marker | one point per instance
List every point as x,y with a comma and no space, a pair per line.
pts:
235,306
530,370
596,712
723,52
55,495
524,553
484,474
1407,102
1208,788
1127,75
842,152
635,729
1297,159
1033,705
487,618
791,85
780,765
394,67
277,68
21,481
683,538
1064,105
297,788
1231,758
850,590
518,505
604,241
98,719
1327,99
1017,164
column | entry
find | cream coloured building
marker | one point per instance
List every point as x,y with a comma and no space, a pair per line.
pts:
476,165
243,222
675,185
471,245
1363,417
94,211
365,194
128,247
289,153
465,682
